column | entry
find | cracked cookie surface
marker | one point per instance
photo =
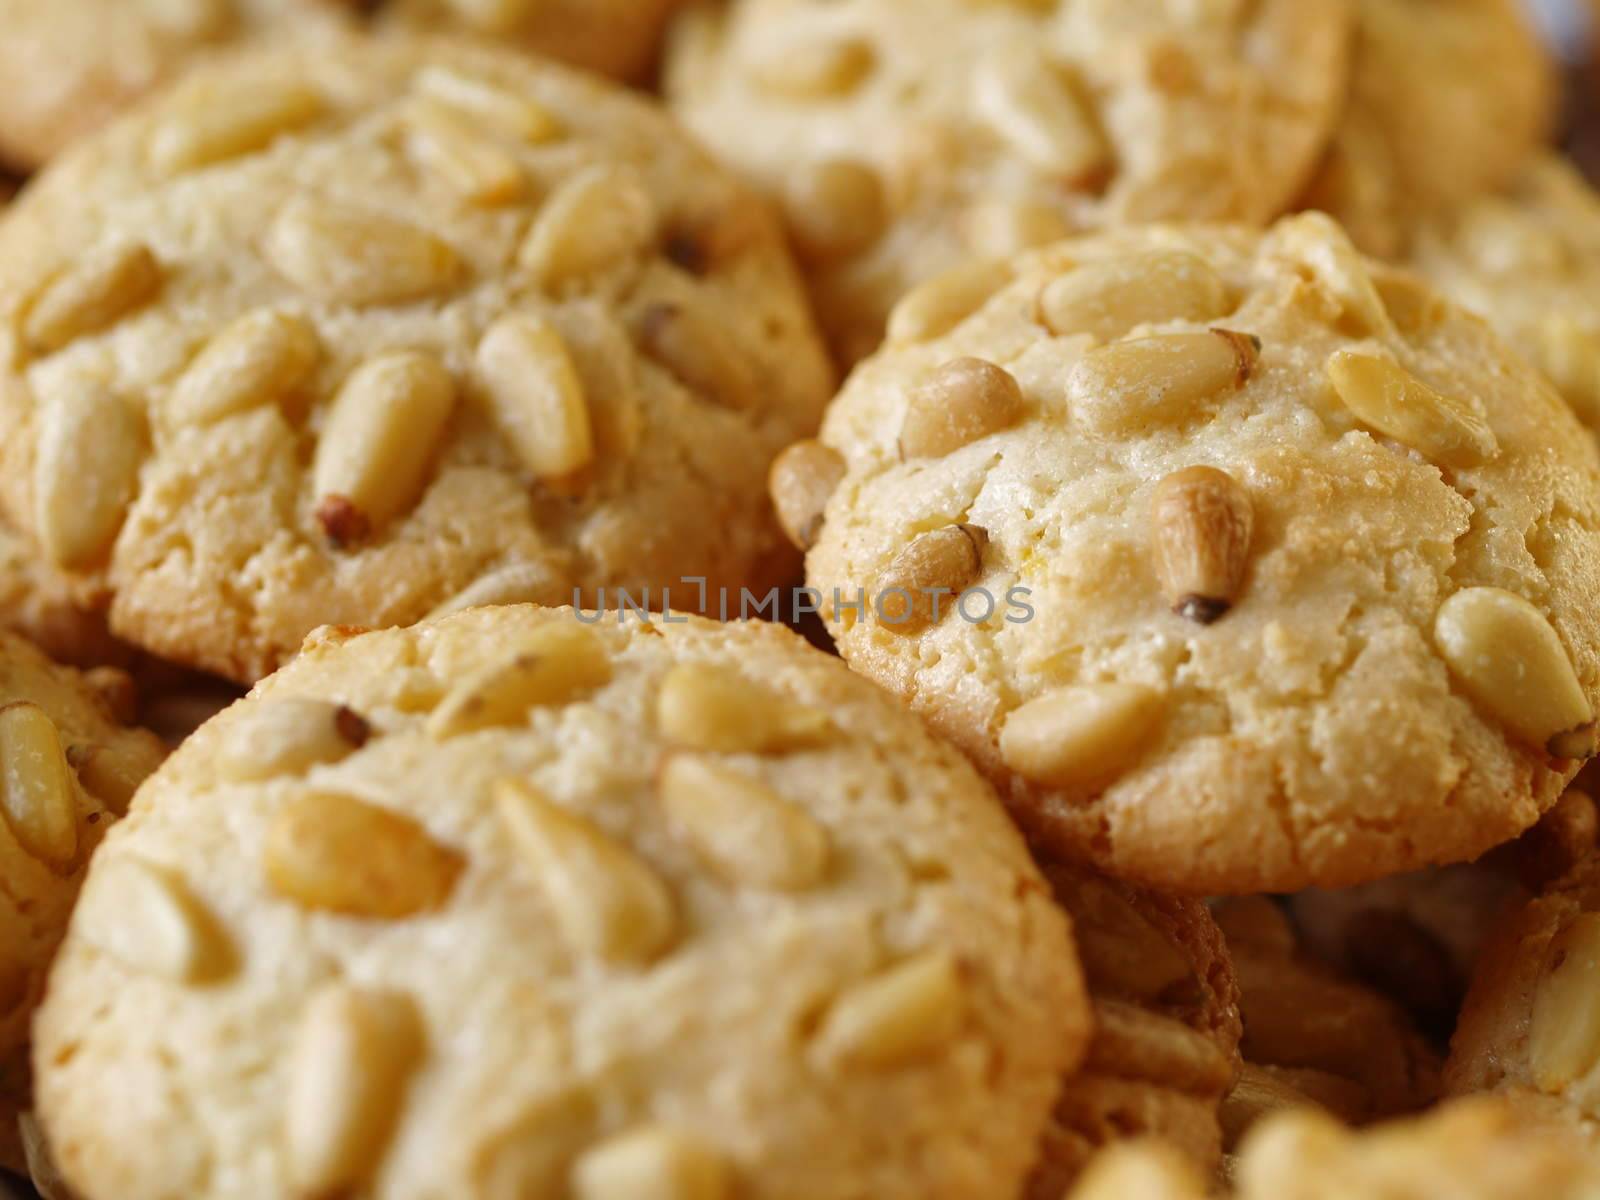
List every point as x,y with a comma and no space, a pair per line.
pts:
1354,483
346,336
716,912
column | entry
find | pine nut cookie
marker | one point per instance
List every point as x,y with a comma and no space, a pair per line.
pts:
40,605
1241,511
1165,1047
712,911
68,766
1448,98
348,336
903,138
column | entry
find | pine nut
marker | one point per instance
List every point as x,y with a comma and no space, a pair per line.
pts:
1081,736
518,116
346,255
652,1163
536,395
85,472
1164,379
37,795
934,308
380,437
1132,1041
1319,244
1000,227
333,852
607,901
835,207
1564,1034
145,916
924,581
1108,299
816,69
902,1014
212,127
741,829
352,1055
698,353
800,482
719,711
258,360
595,221
116,690
519,583
197,19
1123,954
112,774
477,169
1026,101
553,665
1202,521
1511,662
962,402
1383,394
92,294
1569,354
288,737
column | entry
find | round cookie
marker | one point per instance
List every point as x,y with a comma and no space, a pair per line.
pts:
72,65
68,766
1240,511
347,336
1165,1046
904,138
717,915
40,605
1447,99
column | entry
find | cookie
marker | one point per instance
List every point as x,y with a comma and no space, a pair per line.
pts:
617,37
1222,523
1446,100
348,336
1341,1043
70,67
716,912
1528,259
1165,1046
39,604
68,767
1477,1149
903,139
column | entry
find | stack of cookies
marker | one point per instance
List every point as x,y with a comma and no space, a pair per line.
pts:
1167,427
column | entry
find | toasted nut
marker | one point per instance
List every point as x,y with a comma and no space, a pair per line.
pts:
1202,521
1320,244
1383,394
1124,956
519,583
216,124
721,712
552,665
1568,352
478,169
516,115
652,1163
115,689
1028,102
145,916
802,479
112,774
356,256
820,67
381,435
924,581
1511,662
288,737
606,899
1132,1042
1564,1035
353,1053
257,360
1001,226
1163,379
690,346
902,1014
36,787
330,851
533,389
1082,736
93,293
836,207
934,308
1107,299
598,219
85,472
1140,1170
1256,1094
964,400
741,829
